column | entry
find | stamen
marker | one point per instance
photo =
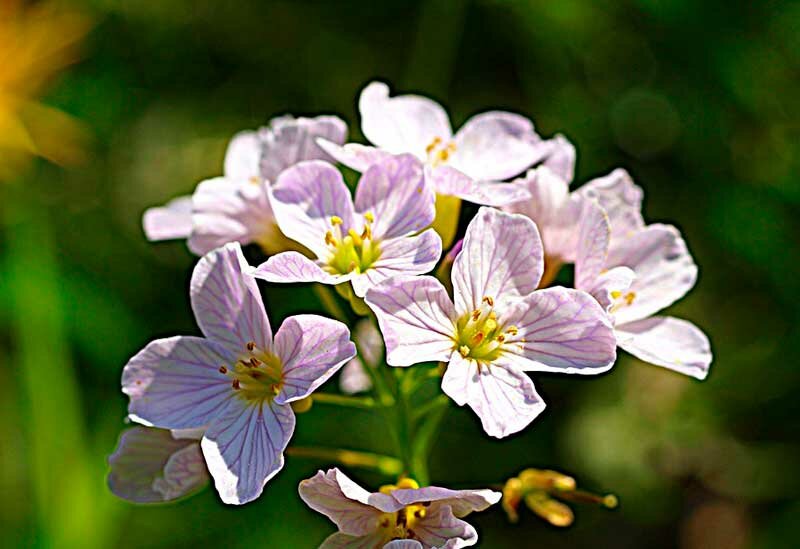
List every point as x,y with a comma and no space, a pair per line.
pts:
255,362
464,350
629,297
223,370
251,345
616,294
488,300
476,314
433,144
369,217
336,220
513,330
356,238
367,232
477,338
501,338
329,240
235,384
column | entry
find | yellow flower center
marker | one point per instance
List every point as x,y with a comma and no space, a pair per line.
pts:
480,337
401,524
439,152
351,251
257,375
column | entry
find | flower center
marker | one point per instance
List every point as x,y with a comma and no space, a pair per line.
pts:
480,337
621,300
351,251
401,524
257,375
439,152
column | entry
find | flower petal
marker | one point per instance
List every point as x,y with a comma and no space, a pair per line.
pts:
354,155
291,140
401,124
594,236
669,342
170,221
401,256
665,270
416,318
503,398
462,502
175,383
295,267
243,155
312,348
139,469
611,283
244,447
501,258
561,158
560,330
621,199
354,378
346,541
448,181
404,544
440,528
306,197
226,302
395,193
496,145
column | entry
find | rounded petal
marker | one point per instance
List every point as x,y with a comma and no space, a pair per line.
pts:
151,466
401,256
170,221
243,155
665,270
354,155
291,140
416,317
560,330
244,447
295,267
561,158
346,541
402,124
175,383
594,235
621,199
440,528
462,502
669,342
448,181
226,301
496,145
501,258
312,348
395,193
306,197
353,378
404,544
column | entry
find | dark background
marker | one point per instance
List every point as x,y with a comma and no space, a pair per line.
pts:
698,100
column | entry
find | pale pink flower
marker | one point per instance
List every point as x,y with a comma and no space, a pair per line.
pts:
362,242
398,517
498,328
354,378
236,207
237,383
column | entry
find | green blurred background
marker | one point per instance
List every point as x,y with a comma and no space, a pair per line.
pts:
700,101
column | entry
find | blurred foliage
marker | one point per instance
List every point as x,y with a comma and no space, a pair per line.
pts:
699,100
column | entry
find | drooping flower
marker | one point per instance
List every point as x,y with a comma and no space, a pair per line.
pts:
361,243
498,328
155,465
636,276
237,383
236,207
354,378
398,516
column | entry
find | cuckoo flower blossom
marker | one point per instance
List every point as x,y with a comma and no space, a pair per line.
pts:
635,277
237,383
498,328
402,516
155,465
363,242
236,207
490,147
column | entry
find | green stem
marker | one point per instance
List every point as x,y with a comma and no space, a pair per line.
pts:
364,403
386,465
403,419
426,433
426,408
329,302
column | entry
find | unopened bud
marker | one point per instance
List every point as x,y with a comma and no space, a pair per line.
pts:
303,405
512,496
546,479
553,511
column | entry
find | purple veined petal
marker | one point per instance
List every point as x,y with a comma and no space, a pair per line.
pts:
440,528
503,398
312,348
665,270
306,197
243,155
449,181
226,301
175,383
244,447
559,330
346,541
170,221
291,140
555,212
404,544
401,256
621,199
395,193
401,124
497,145
501,258
353,155
354,378
416,317
344,502
669,342
561,158
212,231
612,282
462,502
594,235
295,267
141,459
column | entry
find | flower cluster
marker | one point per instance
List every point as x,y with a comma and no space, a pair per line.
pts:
478,318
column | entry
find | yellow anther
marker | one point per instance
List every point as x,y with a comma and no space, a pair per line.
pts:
407,484
433,144
336,220
356,237
512,330
477,338
254,180
369,217
329,240
501,338
629,297
616,294
464,350
493,315
490,324
488,300
476,314
251,345
387,489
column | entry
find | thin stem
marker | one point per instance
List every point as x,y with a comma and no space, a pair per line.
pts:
364,403
404,426
432,404
426,433
329,302
386,465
